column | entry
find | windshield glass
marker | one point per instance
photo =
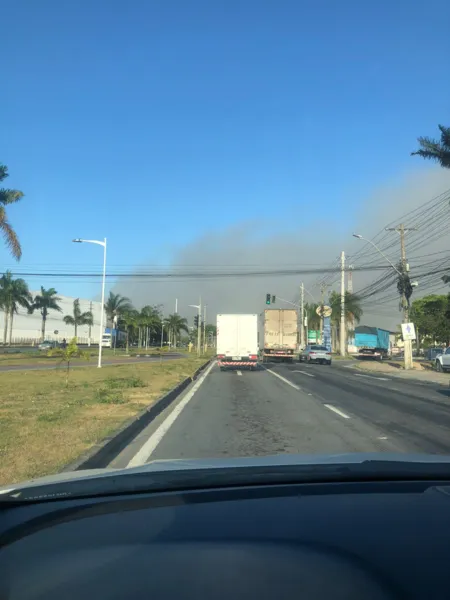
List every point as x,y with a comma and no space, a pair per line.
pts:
226,224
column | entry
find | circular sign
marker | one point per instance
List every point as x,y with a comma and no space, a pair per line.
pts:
56,332
324,311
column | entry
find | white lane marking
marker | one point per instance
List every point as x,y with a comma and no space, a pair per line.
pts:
337,411
371,377
349,366
239,372
304,373
382,437
141,457
296,387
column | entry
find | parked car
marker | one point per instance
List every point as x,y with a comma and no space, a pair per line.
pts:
313,353
442,361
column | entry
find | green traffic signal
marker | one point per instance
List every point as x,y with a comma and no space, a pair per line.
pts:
267,298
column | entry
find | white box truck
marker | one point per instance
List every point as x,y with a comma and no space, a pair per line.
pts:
237,341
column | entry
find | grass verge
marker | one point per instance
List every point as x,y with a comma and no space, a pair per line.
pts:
46,425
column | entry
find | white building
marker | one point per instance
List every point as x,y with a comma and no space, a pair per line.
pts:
27,328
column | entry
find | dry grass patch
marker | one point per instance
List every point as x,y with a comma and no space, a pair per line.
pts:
44,425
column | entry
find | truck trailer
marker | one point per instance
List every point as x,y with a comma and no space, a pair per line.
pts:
280,335
237,341
372,342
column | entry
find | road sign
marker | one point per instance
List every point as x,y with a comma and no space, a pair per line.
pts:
324,311
56,332
408,331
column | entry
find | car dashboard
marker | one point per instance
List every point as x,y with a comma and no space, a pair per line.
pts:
368,540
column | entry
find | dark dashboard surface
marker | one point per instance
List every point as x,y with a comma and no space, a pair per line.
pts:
352,540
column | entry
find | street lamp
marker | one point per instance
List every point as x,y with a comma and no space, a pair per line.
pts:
99,243
360,237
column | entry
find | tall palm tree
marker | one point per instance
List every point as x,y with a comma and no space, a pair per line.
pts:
8,196
175,325
434,150
313,318
79,318
150,320
116,305
353,311
13,293
45,301
130,320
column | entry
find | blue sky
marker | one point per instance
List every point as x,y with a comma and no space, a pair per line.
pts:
154,122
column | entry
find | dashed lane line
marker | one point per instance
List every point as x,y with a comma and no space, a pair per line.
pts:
371,377
296,387
337,411
304,373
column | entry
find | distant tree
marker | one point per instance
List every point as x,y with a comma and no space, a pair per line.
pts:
7,197
438,151
175,324
312,317
45,301
13,293
130,320
431,316
116,305
78,318
353,312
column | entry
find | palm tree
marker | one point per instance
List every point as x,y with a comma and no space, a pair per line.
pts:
130,320
116,305
13,293
353,311
8,196
175,325
78,317
45,301
150,320
434,150
313,319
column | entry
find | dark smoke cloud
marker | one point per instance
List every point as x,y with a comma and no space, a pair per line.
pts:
278,243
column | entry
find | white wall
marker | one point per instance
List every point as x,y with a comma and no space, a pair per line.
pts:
27,327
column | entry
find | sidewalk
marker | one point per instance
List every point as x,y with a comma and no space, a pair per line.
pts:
418,373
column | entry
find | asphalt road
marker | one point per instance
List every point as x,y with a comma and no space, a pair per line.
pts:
297,408
91,363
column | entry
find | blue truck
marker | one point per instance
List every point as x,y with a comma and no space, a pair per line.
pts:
372,342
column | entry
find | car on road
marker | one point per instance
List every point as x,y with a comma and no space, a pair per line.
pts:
314,353
47,345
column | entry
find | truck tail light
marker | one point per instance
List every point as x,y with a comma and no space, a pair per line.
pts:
312,353
221,356
328,353
253,357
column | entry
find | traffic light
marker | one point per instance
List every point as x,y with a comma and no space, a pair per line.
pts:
268,298
273,299
196,321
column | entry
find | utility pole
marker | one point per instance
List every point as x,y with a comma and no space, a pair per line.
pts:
401,229
323,288
342,327
302,316
204,328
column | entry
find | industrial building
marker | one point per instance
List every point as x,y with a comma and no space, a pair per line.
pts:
27,328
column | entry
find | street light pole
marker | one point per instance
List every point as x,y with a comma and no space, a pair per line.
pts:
407,343
102,310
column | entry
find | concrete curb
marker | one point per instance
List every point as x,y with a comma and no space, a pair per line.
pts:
102,454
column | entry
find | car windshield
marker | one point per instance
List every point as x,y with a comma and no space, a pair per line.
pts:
246,208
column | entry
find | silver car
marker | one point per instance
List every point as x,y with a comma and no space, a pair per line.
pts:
318,354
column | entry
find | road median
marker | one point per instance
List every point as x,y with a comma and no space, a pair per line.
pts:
47,425
420,372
